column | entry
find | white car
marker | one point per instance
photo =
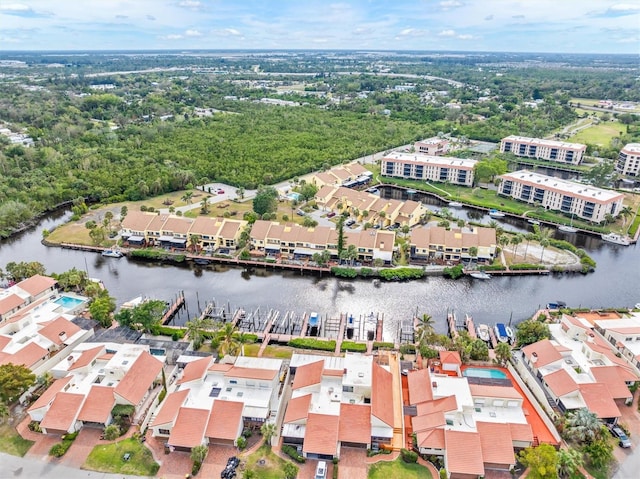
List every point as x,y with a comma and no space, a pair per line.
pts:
321,470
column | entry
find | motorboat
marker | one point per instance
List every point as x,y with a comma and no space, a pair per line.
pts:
496,214
112,253
455,204
533,222
501,333
567,229
510,334
616,239
483,332
480,275
557,305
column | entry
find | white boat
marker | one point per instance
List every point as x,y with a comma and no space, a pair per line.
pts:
496,214
616,239
483,333
480,275
534,222
455,204
510,333
501,332
112,253
567,229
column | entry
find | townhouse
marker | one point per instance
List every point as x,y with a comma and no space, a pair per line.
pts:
340,402
418,166
93,379
474,424
549,150
578,369
583,201
437,244
629,160
214,402
624,336
432,146
24,293
169,231
350,175
292,241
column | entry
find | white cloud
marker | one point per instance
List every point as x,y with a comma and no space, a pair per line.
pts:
192,33
446,4
190,4
465,36
447,33
15,7
227,32
172,36
625,7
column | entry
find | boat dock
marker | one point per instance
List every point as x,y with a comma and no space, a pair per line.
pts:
173,308
468,320
451,323
494,340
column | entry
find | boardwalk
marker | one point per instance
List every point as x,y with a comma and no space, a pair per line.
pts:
470,326
173,308
451,322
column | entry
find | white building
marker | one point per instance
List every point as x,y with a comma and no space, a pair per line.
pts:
550,150
432,146
414,166
629,160
586,202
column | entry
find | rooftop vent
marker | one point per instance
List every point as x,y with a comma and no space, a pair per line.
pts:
434,384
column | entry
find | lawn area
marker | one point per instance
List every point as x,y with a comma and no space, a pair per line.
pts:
398,468
272,468
12,443
278,352
109,458
599,134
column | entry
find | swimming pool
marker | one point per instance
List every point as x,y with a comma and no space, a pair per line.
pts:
294,196
68,302
484,373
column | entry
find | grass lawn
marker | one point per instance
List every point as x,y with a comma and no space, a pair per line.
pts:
599,134
13,443
109,458
278,352
398,468
272,467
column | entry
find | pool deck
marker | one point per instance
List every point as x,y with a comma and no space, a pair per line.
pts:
541,433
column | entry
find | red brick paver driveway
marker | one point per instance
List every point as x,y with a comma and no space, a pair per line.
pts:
352,463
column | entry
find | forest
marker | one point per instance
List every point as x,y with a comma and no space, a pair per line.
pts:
107,136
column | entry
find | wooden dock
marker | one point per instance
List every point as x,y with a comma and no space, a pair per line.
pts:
492,335
176,306
451,322
341,328
468,320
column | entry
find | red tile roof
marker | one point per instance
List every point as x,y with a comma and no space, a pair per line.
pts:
419,386
521,432
445,404
170,407
432,439
189,428
450,357
355,423
98,405
37,284
10,303
27,356
506,392
297,408
47,396
614,378
252,373
598,400
321,435
560,382
195,369
382,394
308,374
426,422
497,445
544,353
58,329
4,340
86,357
62,412
463,453
139,378
225,420
220,367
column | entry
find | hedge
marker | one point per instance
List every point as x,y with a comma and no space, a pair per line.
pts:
408,456
454,272
59,450
527,266
156,254
353,347
310,343
401,274
292,452
380,345
166,331
344,272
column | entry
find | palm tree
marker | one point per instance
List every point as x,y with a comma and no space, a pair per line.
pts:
228,340
426,321
529,237
544,242
243,338
569,461
504,241
583,426
195,330
268,430
625,213
187,197
194,242
515,241
204,205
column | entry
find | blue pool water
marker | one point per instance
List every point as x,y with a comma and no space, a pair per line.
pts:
67,302
484,373
294,196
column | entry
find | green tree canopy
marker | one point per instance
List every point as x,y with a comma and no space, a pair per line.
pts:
266,200
542,461
14,380
531,331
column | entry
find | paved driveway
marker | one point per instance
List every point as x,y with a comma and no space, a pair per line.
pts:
629,459
352,463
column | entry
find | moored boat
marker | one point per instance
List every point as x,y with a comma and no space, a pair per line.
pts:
496,214
510,334
533,222
483,333
501,333
112,253
480,275
455,204
616,239
567,229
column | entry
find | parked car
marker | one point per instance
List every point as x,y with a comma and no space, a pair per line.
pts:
331,214
300,212
349,222
221,191
623,440
321,470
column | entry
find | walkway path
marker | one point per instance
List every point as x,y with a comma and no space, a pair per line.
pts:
398,441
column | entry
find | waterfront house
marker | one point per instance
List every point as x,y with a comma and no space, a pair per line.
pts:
24,293
438,244
339,402
571,198
548,150
213,402
624,335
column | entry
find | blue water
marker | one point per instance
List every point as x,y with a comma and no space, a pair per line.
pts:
67,302
484,373
157,352
294,196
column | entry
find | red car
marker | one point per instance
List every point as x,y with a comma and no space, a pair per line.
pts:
220,192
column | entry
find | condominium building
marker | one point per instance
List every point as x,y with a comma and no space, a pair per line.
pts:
417,166
586,202
432,146
437,244
551,150
629,160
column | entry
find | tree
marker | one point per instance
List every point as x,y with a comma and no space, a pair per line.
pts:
268,430
531,331
199,453
146,316
228,341
541,460
308,191
204,205
582,426
479,350
4,411
266,200
23,270
515,241
350,254
290,470
599,452
101,308
72,280
123,212
569,461
602,174
195,330
240,192
187,197
473,252
503,240
529,237
544,242
503,353
14,379
111,432
626,212
194,242
341,238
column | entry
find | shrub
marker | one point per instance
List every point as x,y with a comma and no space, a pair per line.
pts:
406,349
401,274
454,273
310,343
380,345
241,442
57,450
162,395
111,432
366,272
408,456
292,452
247,433
353,347
334,475
344,272
35,426
290,470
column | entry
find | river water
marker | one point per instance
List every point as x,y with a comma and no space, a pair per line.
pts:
616,282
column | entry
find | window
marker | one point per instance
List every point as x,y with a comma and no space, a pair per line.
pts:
347,389
233,381
449,422
165,432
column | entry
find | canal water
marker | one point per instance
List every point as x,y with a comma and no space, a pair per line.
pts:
616,282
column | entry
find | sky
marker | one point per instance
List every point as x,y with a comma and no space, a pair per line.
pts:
561,26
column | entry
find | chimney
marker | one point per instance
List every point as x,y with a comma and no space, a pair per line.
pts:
434,385
63,336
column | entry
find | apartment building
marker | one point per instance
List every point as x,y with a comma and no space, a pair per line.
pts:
432,146
418,166
586,202
438,244
350,175
549,150
624,335
629,160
